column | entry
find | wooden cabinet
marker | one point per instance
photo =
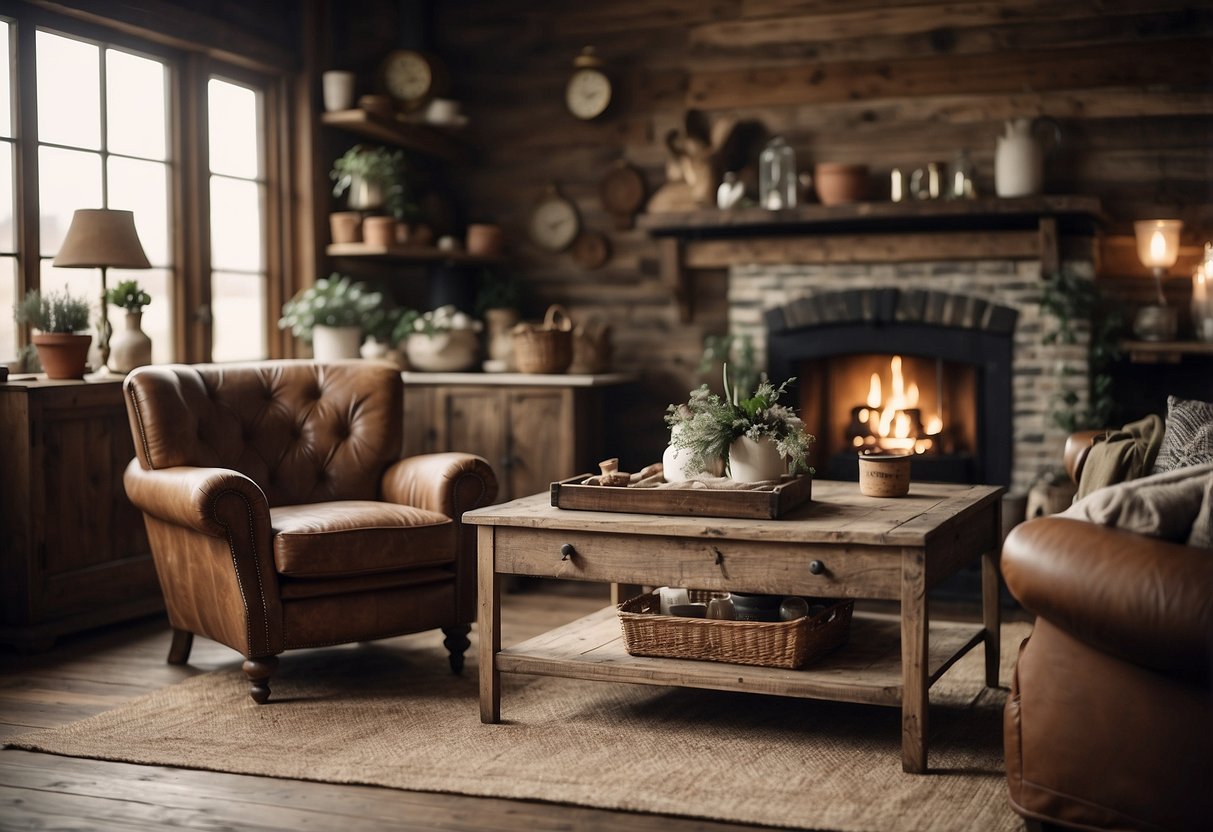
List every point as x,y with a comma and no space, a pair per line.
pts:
73,550
532,430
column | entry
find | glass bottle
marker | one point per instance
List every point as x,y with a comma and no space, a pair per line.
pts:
777,176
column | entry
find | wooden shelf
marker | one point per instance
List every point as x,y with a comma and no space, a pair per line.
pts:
991,213
408,254
867,669
1163,352
422,138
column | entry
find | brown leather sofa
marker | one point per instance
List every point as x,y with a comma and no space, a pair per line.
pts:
1110,720
280,514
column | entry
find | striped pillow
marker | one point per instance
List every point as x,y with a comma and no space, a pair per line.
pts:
1188,439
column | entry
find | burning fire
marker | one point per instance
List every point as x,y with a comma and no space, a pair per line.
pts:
893,422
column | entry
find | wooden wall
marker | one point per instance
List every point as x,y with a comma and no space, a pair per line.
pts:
896,83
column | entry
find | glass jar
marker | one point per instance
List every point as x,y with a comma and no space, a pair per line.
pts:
777,176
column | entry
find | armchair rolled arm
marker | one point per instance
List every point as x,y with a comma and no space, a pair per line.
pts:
449,483
1078,445
1146,600
191,497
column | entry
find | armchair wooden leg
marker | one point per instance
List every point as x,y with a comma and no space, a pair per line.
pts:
456,642
259,671
179,650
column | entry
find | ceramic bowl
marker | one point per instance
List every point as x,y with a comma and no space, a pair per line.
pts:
755,607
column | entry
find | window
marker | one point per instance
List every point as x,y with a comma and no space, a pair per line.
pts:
93,118
103,142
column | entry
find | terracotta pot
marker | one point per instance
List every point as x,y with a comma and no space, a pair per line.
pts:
379,231
423,235
63,355
484,240
344,226
839,183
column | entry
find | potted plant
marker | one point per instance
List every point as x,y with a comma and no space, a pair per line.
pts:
331,315
442,340
758,437
371,177
130,347
57,316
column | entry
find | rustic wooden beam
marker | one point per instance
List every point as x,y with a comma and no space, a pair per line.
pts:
673,275
862,248
1050,255
1180,62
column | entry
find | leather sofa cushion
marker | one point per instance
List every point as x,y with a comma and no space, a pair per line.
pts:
358,537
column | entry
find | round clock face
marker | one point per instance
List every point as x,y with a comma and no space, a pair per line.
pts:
554,224
588,93
407,75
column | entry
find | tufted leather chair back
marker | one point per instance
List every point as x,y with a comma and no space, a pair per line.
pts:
304,432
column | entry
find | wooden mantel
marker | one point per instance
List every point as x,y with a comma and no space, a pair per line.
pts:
868,232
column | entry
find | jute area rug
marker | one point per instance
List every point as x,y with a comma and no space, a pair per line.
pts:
391,714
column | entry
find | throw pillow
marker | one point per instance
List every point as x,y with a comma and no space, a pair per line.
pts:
1188,439
1174,505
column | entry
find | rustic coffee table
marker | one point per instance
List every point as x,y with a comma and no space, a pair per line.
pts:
842,545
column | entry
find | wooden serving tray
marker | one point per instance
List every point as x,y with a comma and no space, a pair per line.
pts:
770,504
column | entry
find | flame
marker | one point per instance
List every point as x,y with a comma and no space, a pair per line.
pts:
889,419
1158,246
934,425
874,396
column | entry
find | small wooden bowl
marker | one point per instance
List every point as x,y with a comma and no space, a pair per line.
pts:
884,475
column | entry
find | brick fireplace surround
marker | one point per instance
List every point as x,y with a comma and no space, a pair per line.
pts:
1040,372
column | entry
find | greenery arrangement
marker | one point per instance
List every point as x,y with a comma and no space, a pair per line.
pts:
129,295
443,319
1076,305
711,424
379,166
737,351
333,301
53,312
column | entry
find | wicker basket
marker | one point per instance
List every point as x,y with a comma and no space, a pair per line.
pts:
787,644
545,348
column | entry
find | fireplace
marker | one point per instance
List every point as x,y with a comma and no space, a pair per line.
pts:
884,369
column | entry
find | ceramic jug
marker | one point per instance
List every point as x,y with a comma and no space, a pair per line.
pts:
1019,157
130,347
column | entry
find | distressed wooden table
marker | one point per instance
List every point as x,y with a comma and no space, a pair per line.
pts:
842,545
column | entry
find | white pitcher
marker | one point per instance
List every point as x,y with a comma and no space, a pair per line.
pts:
1019,157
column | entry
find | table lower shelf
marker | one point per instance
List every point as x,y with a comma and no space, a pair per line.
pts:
866,670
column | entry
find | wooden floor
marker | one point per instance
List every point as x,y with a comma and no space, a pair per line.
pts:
99,671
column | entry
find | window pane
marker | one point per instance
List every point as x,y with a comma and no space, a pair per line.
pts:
142,187
6,81
236,225
157,315
234,130
134,105
69,92
68,179
238,305
7,229
8,296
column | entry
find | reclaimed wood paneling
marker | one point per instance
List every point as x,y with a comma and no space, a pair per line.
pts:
890,83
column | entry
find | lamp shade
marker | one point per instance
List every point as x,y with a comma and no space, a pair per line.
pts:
1158,242
101,237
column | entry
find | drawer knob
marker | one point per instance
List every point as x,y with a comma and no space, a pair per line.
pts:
817,567
567,551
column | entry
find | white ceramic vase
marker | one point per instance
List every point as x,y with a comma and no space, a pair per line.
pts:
333,343
675,462
443,352
338,88
130,347
1018,161
755,461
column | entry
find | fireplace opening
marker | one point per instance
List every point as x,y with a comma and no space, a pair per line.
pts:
900,371
880,403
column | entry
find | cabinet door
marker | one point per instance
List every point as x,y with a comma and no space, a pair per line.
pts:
472,420
420,421
541,439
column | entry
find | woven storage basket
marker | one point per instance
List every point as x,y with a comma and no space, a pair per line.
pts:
787,644
545,348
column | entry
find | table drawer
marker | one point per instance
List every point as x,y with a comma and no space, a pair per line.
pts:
839,570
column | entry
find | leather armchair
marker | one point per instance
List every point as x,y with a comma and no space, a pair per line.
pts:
281,516
1110,720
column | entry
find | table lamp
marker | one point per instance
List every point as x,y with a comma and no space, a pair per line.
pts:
1158,249
102,238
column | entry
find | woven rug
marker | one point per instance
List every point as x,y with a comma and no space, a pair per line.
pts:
391,714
